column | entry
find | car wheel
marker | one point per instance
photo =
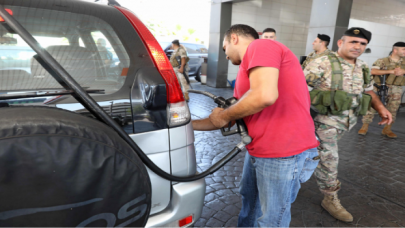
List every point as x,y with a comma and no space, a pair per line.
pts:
198,75
59,168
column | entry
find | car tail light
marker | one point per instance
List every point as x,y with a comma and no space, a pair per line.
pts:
159,57
186,221
9,11
178,112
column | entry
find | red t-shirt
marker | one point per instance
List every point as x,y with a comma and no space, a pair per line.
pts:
286,127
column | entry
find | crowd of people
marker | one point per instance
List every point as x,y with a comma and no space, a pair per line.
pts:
275,92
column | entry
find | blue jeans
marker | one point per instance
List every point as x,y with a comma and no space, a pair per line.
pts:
270,185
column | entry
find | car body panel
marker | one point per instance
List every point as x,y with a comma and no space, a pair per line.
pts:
147,141
182,161
178,137
161,188
185,201
190,134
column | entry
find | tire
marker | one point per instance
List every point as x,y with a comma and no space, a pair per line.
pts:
198,75
59,168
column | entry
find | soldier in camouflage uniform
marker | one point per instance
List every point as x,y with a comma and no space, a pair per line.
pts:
394,67
320,46
330,128
181,68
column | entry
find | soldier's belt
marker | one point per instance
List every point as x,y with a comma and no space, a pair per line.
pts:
336,102
392,79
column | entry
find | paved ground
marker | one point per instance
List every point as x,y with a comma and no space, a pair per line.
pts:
371,169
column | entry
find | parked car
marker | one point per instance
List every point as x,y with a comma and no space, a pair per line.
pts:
196,53
69,185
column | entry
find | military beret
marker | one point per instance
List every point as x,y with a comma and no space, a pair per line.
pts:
399,44
358,32
324,37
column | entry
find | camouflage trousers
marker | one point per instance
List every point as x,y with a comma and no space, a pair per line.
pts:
180,76
393,102
327,170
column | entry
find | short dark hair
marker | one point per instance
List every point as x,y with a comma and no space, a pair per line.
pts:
326,42
269,30
241,30
176,42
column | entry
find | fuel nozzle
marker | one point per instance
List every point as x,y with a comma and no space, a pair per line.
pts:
221,102
240,124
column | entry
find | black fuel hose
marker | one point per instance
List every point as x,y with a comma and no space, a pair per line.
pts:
66,80
210,95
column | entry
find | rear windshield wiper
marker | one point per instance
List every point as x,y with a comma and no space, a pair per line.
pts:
46,94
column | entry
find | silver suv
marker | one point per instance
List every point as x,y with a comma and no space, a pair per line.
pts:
113,56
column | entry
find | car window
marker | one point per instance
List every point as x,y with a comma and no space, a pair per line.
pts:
81,43
16,54
191,48
202,49
86,46
105,49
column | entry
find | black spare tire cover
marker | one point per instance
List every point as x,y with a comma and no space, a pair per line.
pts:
58,168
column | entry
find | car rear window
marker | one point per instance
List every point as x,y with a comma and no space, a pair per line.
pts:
86,46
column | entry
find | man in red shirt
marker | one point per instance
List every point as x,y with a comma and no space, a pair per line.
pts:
273,100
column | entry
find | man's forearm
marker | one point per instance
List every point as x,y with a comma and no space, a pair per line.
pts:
380,108
381,72
203,125
183,62
375,101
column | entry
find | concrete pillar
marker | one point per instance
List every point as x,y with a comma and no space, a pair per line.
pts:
221,15
330,17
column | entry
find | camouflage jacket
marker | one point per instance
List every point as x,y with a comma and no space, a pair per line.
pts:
380,64
387,64
179,52
318,74
311,56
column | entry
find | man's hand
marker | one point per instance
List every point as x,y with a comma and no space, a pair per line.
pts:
181,70
399,72
218,118
385,115
380,108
